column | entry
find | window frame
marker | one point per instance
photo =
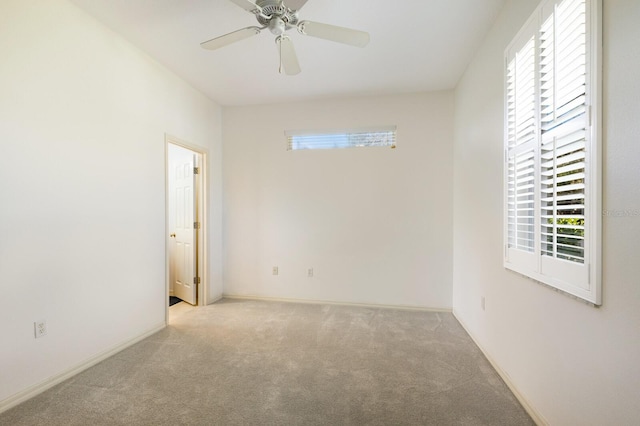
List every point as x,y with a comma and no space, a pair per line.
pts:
588,285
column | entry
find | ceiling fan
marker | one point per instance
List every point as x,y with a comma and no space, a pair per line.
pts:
279,16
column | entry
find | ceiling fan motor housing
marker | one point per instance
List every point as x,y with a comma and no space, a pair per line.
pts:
274,10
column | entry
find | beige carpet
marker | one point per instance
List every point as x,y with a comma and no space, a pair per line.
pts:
269,363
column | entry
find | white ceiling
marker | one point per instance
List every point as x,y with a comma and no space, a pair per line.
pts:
416,46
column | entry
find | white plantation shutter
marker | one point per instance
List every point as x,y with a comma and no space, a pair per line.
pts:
521,201
564,123
521,141
551,149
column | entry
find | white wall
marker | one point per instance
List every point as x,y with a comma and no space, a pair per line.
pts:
375,223
575,364
83,117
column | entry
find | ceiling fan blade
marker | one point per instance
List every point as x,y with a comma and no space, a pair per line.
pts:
226,39
247,5
333,33
288,57
295,4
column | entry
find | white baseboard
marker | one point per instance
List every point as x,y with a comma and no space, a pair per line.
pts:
38,388
335,302
215,299
535,415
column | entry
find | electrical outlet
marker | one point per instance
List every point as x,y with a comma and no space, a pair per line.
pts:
275,270
40,328
482,302
310,272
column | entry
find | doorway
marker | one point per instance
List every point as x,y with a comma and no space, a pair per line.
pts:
185,223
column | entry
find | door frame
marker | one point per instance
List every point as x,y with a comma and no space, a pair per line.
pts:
201,214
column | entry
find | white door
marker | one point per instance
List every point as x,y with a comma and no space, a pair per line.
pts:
182,202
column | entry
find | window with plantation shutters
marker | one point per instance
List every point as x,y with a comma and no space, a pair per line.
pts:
552,148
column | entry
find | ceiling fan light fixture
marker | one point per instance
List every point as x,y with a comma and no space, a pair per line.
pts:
277,26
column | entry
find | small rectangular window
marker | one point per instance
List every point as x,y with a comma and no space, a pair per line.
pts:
336,139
